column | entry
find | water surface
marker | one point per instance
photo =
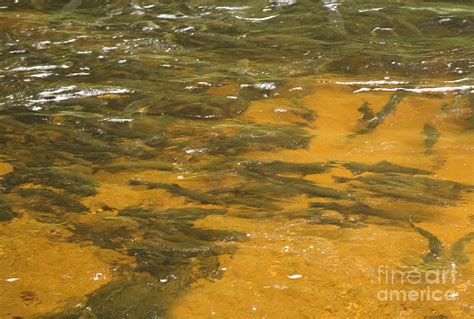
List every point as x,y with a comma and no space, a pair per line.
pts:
235,159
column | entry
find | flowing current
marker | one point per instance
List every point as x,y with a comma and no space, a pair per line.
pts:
236,159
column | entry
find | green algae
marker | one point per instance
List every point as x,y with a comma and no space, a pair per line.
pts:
258,138
437,257
138,166
57,177
429,191
6,213
432,136
371,120
307,187
435,245
180,191
457,249
170,250
242,195
45,200
383,167
275,167
314,216
183,82
357,209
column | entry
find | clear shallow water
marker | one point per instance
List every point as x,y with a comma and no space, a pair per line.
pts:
234,159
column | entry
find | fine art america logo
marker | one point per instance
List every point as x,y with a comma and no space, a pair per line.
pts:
424,285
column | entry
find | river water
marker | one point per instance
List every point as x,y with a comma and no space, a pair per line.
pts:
236,159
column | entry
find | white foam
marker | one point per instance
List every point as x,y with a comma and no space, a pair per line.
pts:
232,8
257,19
460,80
38,67
375,82
66,93
442,89
370,10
